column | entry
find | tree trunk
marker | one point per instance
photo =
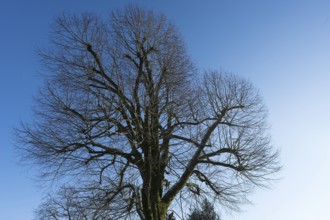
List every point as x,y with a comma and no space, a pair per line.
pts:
153,207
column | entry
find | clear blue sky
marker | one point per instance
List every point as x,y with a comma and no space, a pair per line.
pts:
282,46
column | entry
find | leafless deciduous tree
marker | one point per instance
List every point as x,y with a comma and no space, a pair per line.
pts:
126,120
76,204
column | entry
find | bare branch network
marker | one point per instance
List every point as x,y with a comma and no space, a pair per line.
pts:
125,118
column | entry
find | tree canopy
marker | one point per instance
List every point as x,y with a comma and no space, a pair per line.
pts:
205,212
126,121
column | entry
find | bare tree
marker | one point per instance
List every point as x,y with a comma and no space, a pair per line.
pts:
124,116
75,204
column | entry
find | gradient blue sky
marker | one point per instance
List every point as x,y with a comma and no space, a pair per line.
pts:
282,46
